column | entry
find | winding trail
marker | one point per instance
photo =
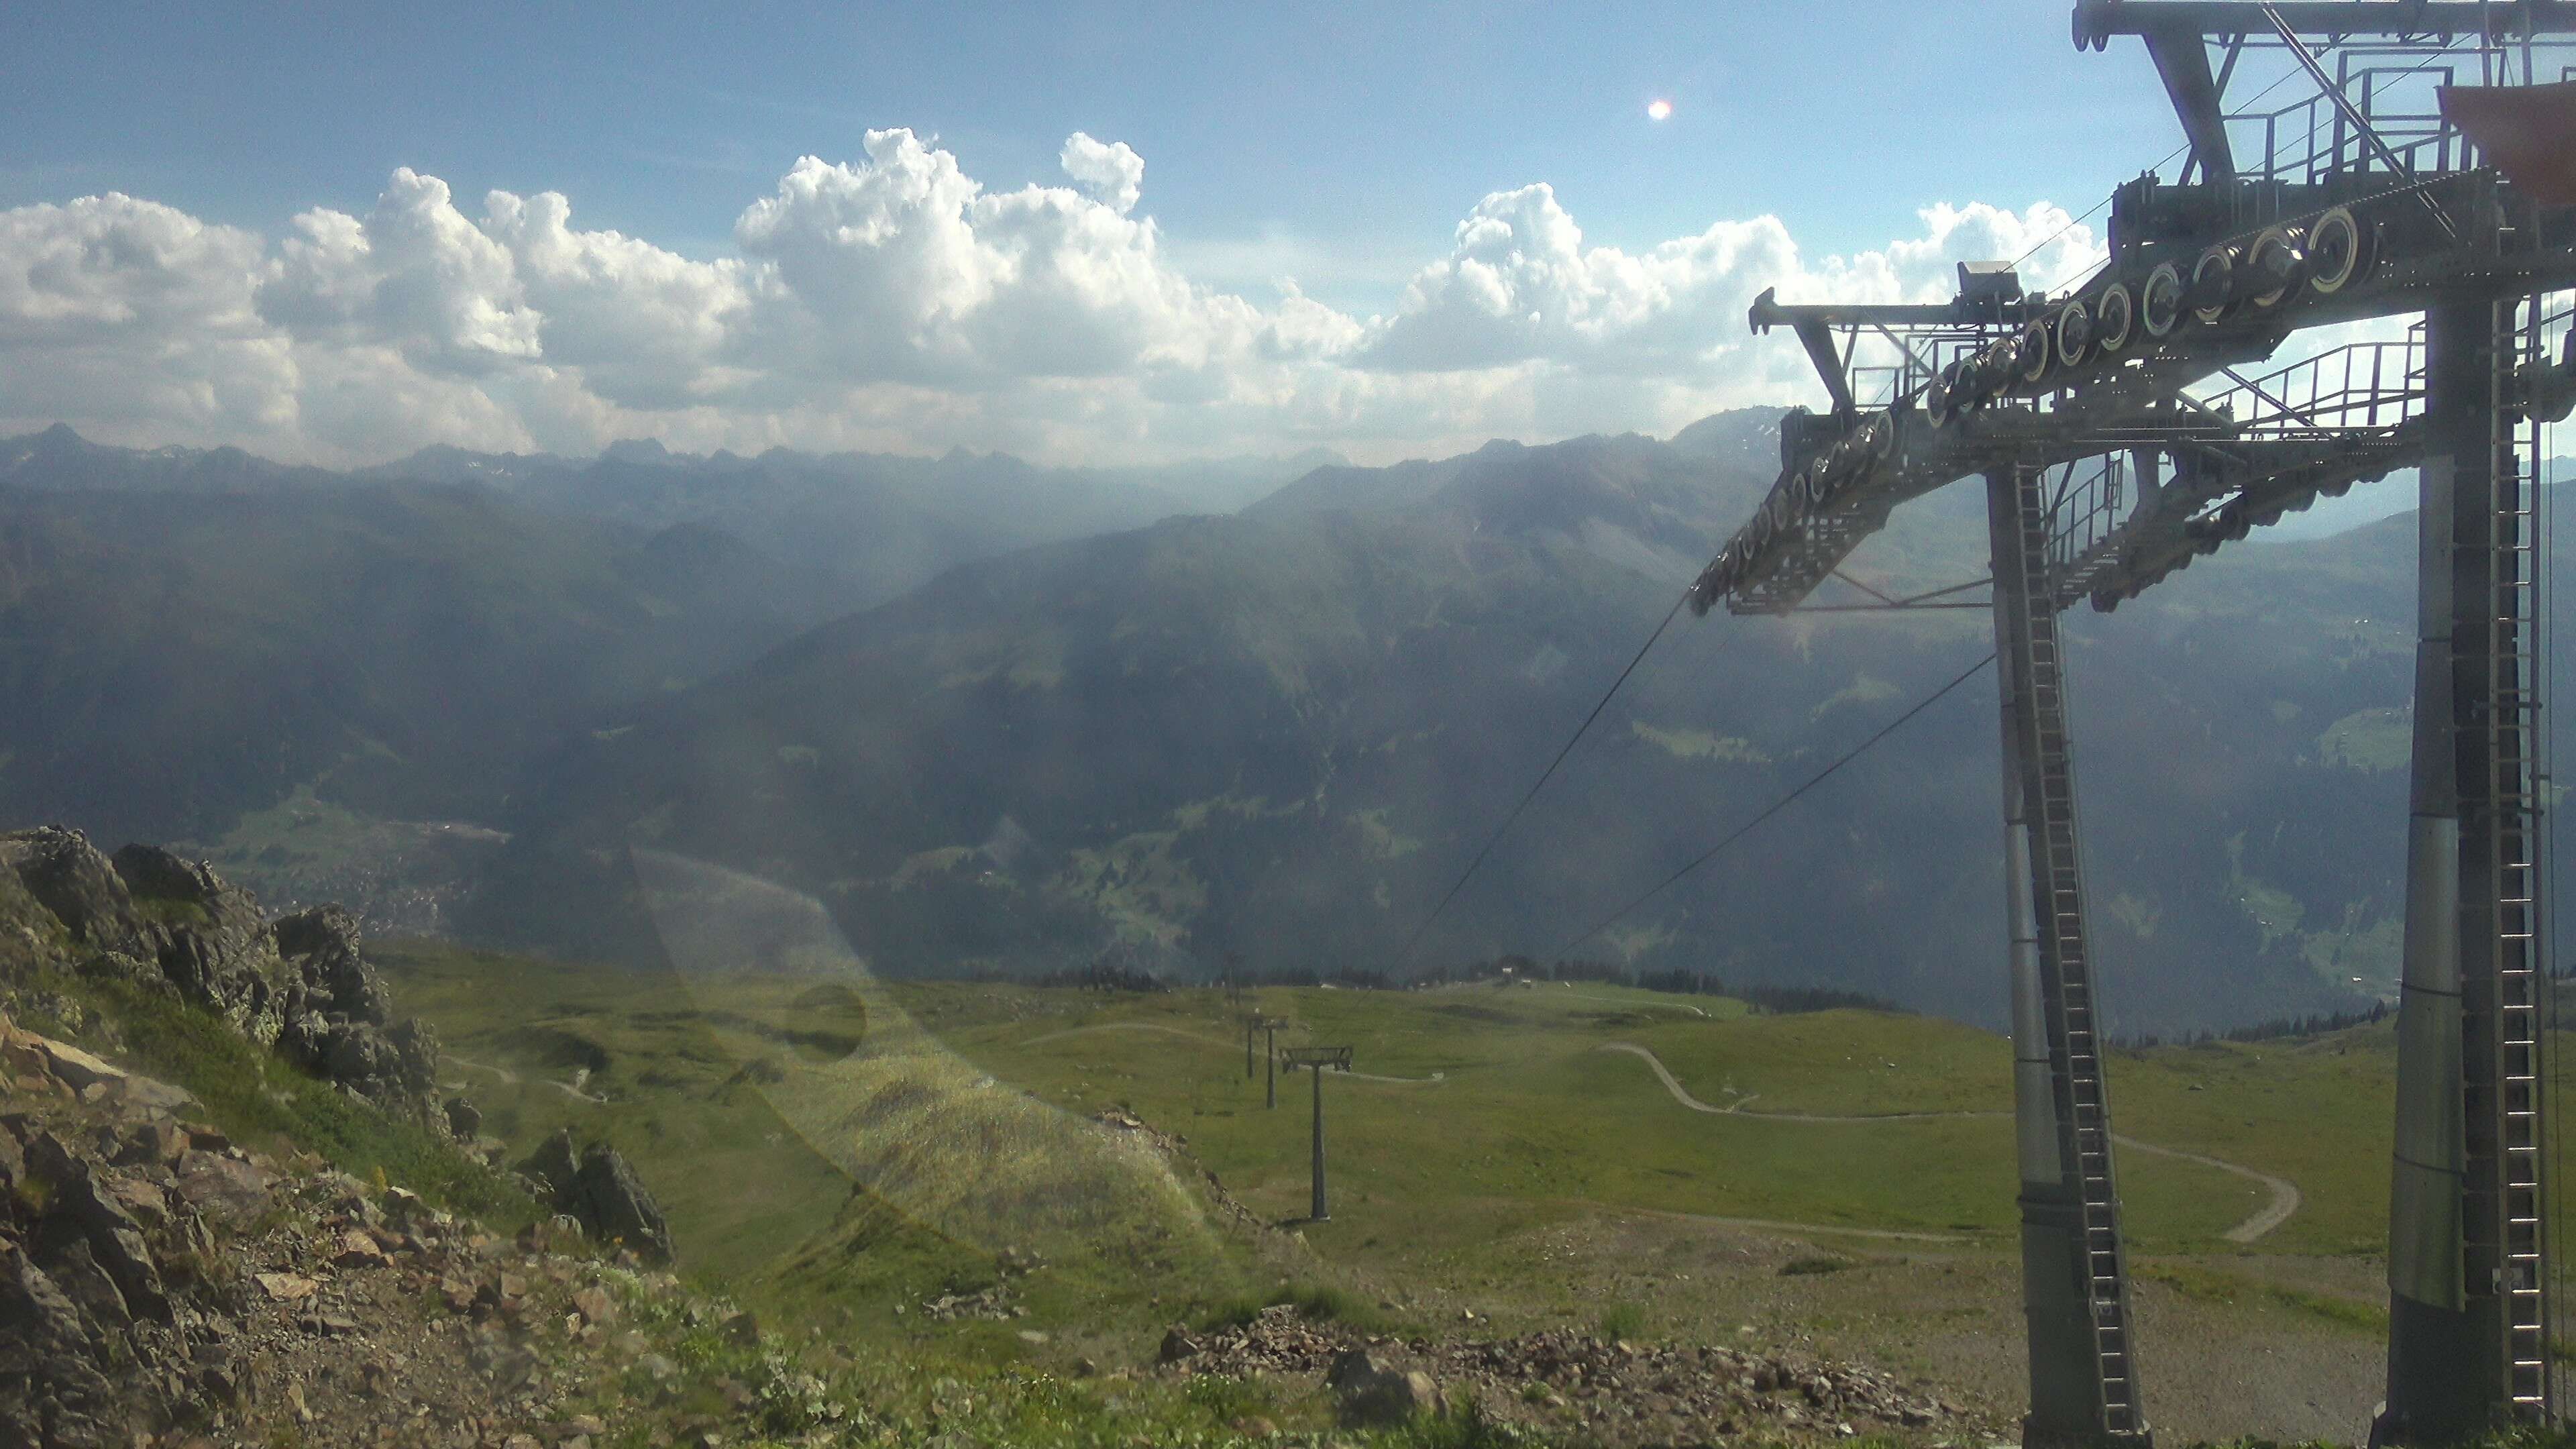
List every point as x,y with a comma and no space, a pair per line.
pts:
1682,1095
1206,1040
1639,1005
511,1079
2285,1194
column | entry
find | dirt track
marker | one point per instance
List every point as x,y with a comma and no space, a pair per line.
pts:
2285,1194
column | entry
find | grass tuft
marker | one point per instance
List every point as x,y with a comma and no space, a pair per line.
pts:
1621,1320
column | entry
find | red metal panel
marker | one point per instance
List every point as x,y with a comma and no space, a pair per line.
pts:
2528,132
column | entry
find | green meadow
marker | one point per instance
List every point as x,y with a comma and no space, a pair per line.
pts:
1471,1102
838,1148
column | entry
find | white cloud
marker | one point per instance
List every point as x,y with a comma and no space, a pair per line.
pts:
414,274
113,308
105,266
648,328
1110,172
1520,285
893,302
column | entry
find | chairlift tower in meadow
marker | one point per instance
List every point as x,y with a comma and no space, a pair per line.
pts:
2415,157
1316,1059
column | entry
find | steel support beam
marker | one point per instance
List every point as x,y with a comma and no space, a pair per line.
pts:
1319,1214
2182,61
2083,1379
2461,1240
1318,1058
2096,21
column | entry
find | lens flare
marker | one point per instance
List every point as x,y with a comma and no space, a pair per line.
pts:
1658,110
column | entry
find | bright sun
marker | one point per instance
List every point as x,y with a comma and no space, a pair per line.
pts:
1658,110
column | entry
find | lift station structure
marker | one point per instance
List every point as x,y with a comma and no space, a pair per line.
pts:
2425,170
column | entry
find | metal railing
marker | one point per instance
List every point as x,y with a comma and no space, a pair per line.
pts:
2369,386
2088,501
1916,358
2308,142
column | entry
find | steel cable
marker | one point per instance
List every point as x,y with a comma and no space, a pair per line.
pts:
1776,806
1544,776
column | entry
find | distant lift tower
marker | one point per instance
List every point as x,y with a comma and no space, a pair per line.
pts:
2424,164
1316,1059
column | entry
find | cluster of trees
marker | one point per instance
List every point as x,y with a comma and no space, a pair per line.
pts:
1776,1000
1116,970
1106,974
2315,1023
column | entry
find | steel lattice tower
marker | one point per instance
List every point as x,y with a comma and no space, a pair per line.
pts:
2120,436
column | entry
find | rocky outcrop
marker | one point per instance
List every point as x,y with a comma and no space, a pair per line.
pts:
160,1285
209,939
600,1191
322,945
76,884
339,1018
1369,1392
299,984
94,1349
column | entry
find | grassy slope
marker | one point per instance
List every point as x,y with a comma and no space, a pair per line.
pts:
976,1382
1531,1117
829,1187
1439,1186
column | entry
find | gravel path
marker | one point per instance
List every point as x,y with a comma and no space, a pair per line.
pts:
510,1078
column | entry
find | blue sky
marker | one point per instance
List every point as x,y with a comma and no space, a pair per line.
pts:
1349,136
1081,233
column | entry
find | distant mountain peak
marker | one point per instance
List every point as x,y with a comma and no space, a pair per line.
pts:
636,450
55,444
1744,434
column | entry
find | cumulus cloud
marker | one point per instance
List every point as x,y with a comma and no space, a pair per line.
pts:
892,301
647,328
1519,285
112,303
414,274
902,268
1110,172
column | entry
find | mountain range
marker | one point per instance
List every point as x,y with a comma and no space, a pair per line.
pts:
1106,725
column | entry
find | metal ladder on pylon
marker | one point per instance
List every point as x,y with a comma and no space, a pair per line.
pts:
2516,1223
2083,1115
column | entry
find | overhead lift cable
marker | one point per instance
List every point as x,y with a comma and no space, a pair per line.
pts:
1494,839
1776,806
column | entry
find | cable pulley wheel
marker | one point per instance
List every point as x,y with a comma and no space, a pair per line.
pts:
2038,350
2213,286
1776,512
2114,315
2160,301
1991,371
2074,335
2339,249
2276,263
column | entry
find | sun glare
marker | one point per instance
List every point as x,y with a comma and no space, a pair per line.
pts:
1659,110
